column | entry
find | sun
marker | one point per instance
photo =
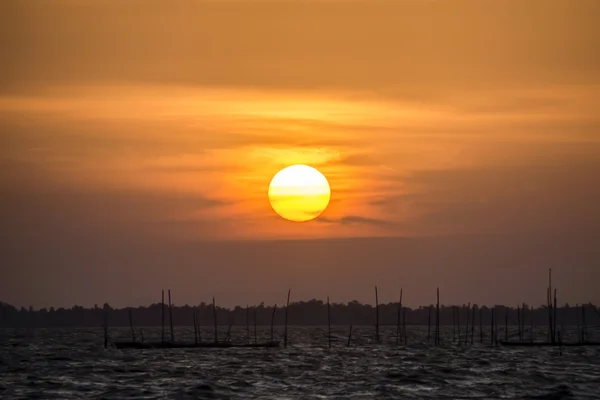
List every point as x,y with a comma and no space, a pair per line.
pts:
299,193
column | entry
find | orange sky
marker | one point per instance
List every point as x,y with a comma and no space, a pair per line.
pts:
165,123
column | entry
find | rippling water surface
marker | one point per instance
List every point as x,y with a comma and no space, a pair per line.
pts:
72,364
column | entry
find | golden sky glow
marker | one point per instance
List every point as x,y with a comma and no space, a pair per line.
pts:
136,122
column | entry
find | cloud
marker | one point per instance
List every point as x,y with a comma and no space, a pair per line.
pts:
355,220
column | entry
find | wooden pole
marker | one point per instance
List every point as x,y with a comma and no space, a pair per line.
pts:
481,325
195,328
376,316
531,326
458,323
579,335
473,325
285,333
492,328
131,326
399,319
349,336
328,323
506,325
105,328
437,319
467,328
453,324
555,315
429,325
162,317
273,321
171,318
215,321
404,327
255,335
247,324
549,302
519,318
522,322
583,324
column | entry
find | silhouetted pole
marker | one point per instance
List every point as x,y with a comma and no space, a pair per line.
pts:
555,313
376,316
437,319
285,333
453,324
328,323
399,317
171,318
506,324
579,335
247,324
492,328
429,325
404,326
519,318
467,328
549,301
195,328
473,325
531,323
583,324
458,323
105,328
255,335
142,335
559,344
480,325
131,326
162,317
273,321
215,321
349,336
523,321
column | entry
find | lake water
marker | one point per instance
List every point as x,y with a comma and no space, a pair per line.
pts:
72,364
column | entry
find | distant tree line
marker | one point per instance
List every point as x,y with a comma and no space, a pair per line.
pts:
313,312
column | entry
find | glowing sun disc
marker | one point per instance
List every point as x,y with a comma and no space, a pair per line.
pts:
299,193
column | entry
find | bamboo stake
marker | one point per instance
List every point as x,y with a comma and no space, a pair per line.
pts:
579,334
131,326
328,323
105,328
376,316
458,323
506,324
162,317
467,326
399,317
255,335
247,324
171,318
273,321
555,314
519,318
492,328
215,321
453,324
195,328
473,325
285,333
404,326
429,325
349,336
481,325
437,319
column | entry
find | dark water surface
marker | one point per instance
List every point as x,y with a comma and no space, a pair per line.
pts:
72,364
